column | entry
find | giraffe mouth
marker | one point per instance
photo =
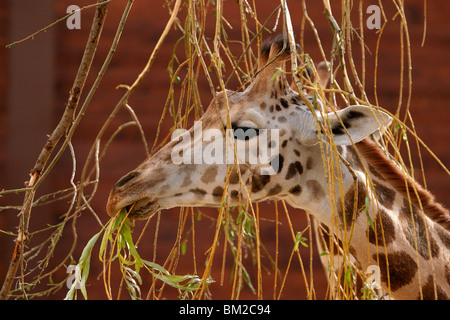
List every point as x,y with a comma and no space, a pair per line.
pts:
142,209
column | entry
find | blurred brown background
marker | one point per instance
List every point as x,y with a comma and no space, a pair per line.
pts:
37,75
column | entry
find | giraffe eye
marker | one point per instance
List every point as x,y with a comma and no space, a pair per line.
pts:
244,133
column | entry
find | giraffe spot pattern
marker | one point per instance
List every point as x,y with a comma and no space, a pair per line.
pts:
353,159
234,177
296,99
414,229
217,192
444,235
209,175
386,228
385,195
316,189
277,163
296,190
346,214
259,182
198,192
375,173
447,273
284,103
428,292
186,180
293,169
275,190
401,268
309,163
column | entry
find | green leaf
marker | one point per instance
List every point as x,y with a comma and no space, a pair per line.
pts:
275,75
300,240
349,276
366,208
405,136
156,266
396,128
126,233
183,247
134,274
88,248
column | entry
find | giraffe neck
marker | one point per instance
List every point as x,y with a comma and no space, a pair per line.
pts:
388,228
411,230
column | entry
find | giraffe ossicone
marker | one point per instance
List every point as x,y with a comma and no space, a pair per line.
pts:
409,236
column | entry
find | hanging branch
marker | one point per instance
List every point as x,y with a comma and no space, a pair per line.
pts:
58,133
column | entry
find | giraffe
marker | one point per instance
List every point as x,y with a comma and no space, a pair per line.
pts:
382,215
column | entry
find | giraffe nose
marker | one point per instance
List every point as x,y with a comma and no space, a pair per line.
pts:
124,180
118,193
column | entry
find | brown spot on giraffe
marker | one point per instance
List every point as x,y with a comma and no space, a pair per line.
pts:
186,180
198,192
217,192
209,175
348,213
234,194
234,177
375,173
447,273
429,293
401,268
353,159
284,103
277,163
309,163
275,190
259,182
296,190
444,236
414,230
293,169
316,189
385,195
386,228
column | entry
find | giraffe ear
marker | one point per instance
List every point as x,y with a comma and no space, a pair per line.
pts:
359,122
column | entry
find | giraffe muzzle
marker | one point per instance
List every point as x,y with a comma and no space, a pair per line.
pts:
142,209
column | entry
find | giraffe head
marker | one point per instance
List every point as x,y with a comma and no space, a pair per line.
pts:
267,131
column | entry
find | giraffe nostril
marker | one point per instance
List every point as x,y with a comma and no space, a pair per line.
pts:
126,179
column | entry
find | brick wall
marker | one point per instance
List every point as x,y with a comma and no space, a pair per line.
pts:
145,24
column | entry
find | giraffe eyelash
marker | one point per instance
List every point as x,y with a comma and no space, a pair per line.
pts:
243,132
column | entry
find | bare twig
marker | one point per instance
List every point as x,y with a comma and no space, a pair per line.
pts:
57,134
34,34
